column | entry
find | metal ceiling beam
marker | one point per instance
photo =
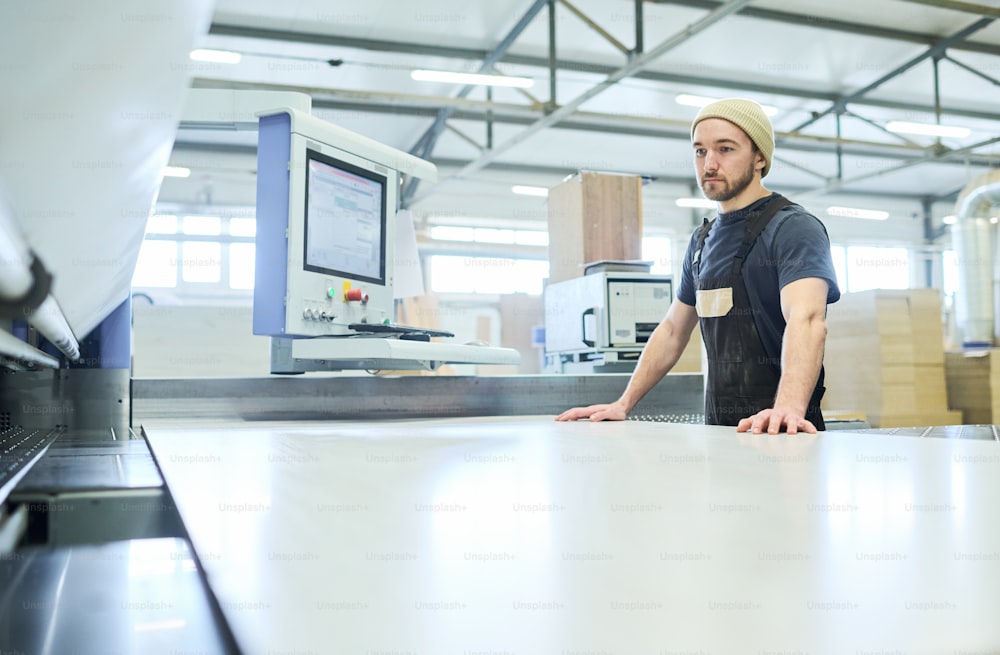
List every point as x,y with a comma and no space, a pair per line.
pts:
384,45
633,66
991,80
610,124
557,171
592,24
934,51
838,185
774,89
955,5
597,69
383,102
833,24
425,144
562,171
601,69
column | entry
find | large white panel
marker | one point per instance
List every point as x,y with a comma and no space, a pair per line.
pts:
92,96
523,535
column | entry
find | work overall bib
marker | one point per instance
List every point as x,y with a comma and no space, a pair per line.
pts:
741,379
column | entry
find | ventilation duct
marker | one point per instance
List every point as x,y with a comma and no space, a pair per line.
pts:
978,282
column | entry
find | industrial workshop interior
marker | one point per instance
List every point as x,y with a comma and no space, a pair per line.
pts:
296,299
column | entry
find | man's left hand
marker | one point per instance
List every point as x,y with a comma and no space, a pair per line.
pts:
772,420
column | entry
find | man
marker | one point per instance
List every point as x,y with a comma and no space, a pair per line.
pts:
757,278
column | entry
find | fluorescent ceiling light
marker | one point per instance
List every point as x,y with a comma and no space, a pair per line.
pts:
530,190
851,212
696,202
700,101
216,56
472,78
176,171
927,129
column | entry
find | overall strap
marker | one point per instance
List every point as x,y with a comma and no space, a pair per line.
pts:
754,227
706,225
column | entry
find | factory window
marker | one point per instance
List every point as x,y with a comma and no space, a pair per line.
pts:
839,254
243,227
201,261
157,265
949,273
452,233
451,274
531,238
161,224
489,235
202,225
657,250
198,255
870,267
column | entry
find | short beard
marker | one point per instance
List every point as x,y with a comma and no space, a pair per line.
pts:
733,190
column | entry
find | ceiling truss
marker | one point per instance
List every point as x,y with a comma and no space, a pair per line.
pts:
540,115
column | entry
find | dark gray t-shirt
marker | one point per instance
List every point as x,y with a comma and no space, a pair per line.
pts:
793,246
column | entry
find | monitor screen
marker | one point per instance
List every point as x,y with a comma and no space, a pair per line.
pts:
345,219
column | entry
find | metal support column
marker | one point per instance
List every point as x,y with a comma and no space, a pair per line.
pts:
551,104
639,31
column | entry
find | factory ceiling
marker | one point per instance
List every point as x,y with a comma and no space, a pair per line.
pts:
607,76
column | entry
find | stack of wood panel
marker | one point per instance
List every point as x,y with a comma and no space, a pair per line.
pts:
885,358
974,384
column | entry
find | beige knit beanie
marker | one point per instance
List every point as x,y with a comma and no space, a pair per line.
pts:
748,116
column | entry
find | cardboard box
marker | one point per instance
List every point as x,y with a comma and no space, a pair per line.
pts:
885,358
593,217
973,382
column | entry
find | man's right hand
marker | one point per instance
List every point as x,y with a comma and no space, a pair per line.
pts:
609,412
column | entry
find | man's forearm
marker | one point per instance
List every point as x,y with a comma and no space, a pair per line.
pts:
801,359
662,351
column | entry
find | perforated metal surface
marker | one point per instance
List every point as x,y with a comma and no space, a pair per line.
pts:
19,448
695,419
698,419
981,432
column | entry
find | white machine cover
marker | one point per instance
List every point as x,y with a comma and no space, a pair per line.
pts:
92,95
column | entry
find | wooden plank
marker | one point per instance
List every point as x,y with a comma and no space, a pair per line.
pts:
566,230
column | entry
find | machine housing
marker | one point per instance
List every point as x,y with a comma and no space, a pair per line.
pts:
602,320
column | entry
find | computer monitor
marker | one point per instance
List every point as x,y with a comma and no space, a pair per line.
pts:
326,218
345,219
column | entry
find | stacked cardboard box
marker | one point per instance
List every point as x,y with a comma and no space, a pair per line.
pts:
690,360
974,385
593,217
885,358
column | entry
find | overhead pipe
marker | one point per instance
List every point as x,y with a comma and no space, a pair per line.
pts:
972,235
